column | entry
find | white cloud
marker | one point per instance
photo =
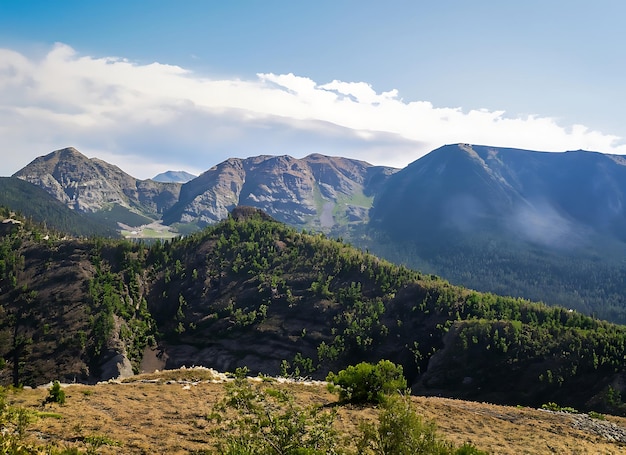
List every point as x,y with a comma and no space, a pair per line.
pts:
148,118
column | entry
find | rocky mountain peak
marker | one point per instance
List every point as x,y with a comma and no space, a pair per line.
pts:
92,185
244,213
316,191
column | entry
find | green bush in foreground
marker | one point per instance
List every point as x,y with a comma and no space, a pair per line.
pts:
257,419
56,394
269,422
14,422
400,431
368,383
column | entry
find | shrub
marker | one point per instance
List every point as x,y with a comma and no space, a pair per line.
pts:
13,424
596,415
56,394
368,383
269,421
400,431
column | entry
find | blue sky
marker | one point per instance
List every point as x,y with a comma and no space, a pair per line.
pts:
151,86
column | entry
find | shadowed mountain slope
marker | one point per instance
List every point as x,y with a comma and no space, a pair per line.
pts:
544,226
35,203
547,226
546,198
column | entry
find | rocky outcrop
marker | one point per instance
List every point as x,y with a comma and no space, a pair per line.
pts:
317,191
116,367
91,185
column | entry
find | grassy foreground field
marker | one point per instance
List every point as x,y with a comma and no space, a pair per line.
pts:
167,414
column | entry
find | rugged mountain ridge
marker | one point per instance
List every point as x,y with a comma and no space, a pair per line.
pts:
316,191
93,185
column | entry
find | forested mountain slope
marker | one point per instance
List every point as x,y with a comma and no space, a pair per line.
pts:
546,226
253,292
35,203
543,226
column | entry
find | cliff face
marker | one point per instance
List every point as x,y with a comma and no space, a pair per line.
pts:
317,191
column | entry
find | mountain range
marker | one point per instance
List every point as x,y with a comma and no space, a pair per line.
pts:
546,226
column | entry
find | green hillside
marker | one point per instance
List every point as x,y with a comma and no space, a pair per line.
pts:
253,292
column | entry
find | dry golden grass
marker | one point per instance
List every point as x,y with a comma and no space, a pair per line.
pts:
170,418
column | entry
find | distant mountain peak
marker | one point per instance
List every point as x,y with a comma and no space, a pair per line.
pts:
174,177
68,151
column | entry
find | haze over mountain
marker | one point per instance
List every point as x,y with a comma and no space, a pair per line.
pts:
554,200
540,225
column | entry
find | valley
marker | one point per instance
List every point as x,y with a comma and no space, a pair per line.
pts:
154,230
284,293
312,228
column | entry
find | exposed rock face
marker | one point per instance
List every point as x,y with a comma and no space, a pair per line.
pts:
116,367
316,191
90,185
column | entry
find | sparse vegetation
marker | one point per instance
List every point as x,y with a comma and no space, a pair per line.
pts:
556,408
182,417
319,302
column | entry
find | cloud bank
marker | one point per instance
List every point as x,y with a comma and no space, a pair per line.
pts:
155,117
